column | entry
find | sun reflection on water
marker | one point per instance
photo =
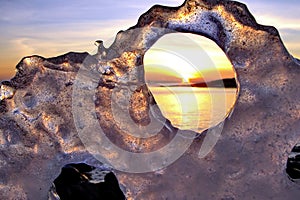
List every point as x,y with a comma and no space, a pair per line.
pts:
194,108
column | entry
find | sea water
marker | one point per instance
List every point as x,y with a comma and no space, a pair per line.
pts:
194,108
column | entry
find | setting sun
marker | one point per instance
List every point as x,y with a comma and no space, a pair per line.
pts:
185,58
171,66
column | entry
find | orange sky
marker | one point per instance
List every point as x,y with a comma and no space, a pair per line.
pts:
177,58
165,75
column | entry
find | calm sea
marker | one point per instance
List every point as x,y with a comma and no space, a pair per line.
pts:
194,108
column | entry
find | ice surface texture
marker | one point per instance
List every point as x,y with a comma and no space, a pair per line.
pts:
38,135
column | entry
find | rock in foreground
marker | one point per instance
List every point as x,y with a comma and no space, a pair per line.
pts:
82,181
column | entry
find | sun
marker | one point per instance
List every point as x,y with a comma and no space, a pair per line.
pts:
185,58
183,80
169,64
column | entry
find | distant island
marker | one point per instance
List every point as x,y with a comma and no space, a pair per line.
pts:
227,83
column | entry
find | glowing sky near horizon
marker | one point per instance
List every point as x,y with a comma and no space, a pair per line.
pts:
51,28
184,57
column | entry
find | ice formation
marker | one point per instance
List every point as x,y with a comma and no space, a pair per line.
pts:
38,135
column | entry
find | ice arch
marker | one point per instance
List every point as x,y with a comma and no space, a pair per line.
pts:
38,135
191,79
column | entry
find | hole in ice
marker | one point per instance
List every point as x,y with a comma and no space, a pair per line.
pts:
191,80
82,181
293,164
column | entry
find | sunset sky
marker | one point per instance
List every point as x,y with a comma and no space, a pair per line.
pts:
51,28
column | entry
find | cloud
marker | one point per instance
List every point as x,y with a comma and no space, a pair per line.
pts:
52,40
35,11
283,15
268,12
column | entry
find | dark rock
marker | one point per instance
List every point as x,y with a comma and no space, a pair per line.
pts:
293,164
81,181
